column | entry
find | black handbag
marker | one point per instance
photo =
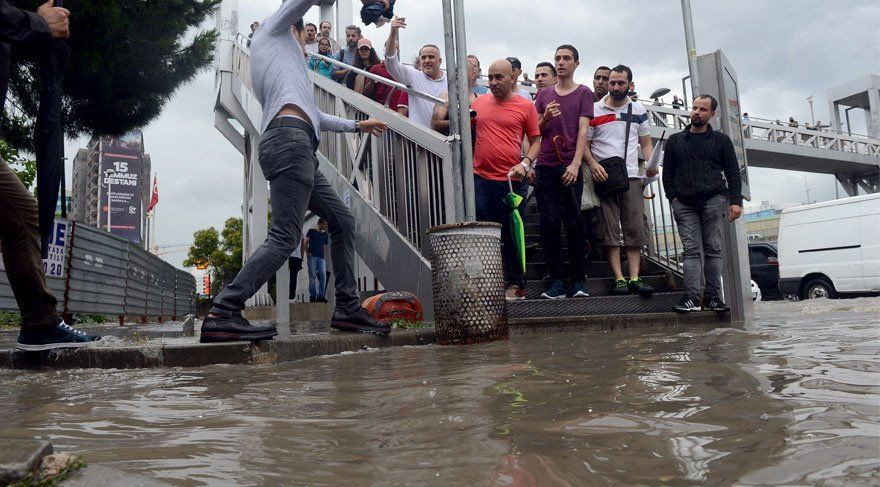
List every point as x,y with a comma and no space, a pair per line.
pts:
618,179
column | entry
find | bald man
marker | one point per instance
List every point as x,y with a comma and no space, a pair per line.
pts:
503,119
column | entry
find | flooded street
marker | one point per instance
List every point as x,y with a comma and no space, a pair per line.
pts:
792,400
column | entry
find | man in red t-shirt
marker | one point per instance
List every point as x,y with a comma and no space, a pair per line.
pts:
503,119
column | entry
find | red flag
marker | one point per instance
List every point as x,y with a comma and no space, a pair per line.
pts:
154,199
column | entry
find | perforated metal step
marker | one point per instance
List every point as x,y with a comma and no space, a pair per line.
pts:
601,286
592,306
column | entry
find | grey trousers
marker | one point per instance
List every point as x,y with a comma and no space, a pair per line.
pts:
287,159
700,231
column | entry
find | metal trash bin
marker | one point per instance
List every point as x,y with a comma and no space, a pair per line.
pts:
468,283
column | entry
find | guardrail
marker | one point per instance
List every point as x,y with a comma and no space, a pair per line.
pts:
93,272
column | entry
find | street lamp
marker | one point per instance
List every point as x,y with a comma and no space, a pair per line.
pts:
107,174
812,116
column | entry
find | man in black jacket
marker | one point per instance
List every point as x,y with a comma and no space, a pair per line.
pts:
701,199
41,328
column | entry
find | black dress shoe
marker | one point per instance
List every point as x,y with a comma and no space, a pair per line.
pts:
234,329
360,321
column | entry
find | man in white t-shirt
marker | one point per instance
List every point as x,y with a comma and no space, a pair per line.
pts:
517,71
430,79
311,38
623,213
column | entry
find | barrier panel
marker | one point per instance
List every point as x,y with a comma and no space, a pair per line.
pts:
108,275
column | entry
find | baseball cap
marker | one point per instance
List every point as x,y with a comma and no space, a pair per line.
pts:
364,42
514,62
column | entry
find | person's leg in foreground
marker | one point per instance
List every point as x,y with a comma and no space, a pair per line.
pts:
715,214
688,220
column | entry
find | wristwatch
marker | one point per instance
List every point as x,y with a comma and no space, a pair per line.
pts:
526,165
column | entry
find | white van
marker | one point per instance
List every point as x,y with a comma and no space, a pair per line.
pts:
831,248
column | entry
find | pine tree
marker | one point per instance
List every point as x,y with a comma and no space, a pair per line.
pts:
127,59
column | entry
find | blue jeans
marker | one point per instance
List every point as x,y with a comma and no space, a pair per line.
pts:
489,199
700,230
287,159
317,278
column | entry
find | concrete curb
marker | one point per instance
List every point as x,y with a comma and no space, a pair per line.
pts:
279,350
522,326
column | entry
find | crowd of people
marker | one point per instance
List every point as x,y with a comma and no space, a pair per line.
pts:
567,135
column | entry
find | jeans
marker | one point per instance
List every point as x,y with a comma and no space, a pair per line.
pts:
489,199
287,159
700,229
561,205
20,240
317,278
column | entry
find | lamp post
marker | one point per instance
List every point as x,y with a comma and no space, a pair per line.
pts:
691,46
107,174
812,116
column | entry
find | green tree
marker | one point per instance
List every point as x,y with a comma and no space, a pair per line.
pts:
24,168
222,256
127,60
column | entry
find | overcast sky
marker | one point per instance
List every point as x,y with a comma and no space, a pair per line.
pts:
783,51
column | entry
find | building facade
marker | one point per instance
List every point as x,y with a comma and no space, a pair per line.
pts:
111,185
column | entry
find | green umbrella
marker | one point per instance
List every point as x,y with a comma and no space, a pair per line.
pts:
517,229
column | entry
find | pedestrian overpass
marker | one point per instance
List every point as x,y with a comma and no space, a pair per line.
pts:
399,185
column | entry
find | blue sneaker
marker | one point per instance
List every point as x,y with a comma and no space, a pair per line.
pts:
555,291
579,290
60,336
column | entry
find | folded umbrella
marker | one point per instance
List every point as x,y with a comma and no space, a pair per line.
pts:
49,137
517,229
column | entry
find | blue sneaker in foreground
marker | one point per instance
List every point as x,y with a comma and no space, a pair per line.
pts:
555,291
60,336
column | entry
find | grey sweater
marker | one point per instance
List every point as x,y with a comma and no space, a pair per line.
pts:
279,73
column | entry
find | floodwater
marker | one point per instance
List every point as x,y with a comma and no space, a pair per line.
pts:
794,399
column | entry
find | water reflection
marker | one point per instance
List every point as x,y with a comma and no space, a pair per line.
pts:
794,399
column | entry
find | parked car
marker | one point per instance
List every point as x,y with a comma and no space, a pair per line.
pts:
831,249
764,264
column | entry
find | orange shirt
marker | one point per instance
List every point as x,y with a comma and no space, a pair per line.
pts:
500,128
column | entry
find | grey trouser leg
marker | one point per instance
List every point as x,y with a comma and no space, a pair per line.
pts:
700,232
295,185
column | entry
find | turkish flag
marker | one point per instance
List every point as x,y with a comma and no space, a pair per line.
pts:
154,199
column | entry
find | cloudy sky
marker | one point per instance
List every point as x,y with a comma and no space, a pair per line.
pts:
783,51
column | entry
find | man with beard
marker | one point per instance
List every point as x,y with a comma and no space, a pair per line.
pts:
565,110
703,183
504,119
621,213
291,129
429,79
348,55
545,75
600,82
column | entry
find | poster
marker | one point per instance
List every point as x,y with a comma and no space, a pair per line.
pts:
120,172
54,264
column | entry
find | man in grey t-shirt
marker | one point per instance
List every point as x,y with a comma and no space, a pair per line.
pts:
291,130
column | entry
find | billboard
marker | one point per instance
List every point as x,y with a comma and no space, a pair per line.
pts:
121,173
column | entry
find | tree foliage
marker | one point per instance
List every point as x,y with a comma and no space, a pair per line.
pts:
127,60
219,251
23,167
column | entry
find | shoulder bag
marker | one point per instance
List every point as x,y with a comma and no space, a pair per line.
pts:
618,178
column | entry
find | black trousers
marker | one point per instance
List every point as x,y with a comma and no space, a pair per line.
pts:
560,205
296,265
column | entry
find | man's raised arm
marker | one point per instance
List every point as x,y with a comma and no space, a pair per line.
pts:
291,12
400,73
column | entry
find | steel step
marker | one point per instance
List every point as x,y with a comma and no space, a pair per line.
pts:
600,286
598,268
592,306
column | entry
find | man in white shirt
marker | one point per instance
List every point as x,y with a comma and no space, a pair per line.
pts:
622,213
311,38
431,79
517,71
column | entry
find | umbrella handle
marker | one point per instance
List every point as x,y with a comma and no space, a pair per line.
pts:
510,181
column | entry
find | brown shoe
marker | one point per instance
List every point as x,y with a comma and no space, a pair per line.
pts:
514,293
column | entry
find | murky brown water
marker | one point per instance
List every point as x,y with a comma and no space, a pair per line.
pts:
794,400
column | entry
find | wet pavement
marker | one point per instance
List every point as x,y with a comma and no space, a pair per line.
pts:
794,399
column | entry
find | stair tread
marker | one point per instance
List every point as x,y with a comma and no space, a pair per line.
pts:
593,305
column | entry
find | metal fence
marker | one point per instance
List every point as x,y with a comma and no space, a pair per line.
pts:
103,274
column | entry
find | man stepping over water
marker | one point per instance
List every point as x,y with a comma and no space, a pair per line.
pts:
291,129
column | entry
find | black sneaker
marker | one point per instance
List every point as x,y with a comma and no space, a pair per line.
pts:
234,329
687,305
621,287
714,303
555,291
60,336
640,287
360,322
